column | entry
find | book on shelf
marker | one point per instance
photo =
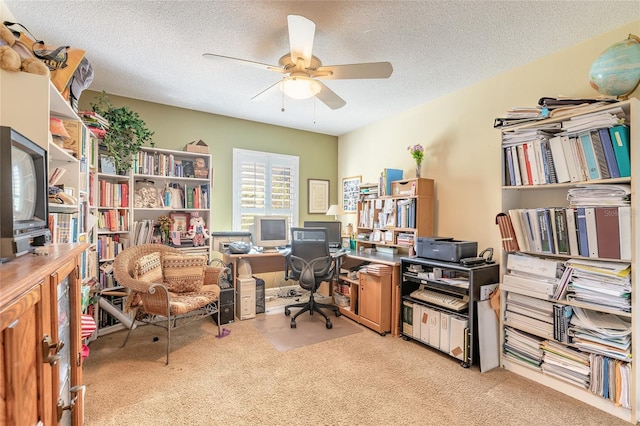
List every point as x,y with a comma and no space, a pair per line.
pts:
610,156
507,233
620,141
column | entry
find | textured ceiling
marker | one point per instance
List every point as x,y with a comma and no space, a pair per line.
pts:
152,50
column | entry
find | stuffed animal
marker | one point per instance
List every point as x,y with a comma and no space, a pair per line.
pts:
14,56
198,231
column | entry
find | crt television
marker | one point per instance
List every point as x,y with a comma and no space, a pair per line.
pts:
24,195
334,230
270,231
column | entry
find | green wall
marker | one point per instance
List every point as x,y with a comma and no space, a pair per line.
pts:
174,127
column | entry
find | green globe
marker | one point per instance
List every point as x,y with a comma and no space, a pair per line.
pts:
616,72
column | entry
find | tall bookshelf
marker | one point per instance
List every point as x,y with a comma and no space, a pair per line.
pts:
554,196
128,207
27,102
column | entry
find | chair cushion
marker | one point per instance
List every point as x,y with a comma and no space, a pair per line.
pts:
183,274
148,268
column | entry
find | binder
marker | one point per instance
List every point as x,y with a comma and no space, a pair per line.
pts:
620,141
532,165
608,228
583,170
434,328
390,175
417,321
540,162
560,220
570,156
590,156
516,222
524,169
609,155
517,174
444,331
624,225
598,150
544,224
532,265
424,323
458,329
559,160
581,225
592,233
509,179
572,232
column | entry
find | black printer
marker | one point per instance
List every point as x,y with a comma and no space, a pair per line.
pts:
446,249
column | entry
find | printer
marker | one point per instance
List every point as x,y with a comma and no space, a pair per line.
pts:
446,249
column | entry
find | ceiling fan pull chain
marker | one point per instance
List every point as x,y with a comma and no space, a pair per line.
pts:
283,82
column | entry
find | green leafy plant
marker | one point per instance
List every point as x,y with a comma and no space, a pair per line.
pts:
126,134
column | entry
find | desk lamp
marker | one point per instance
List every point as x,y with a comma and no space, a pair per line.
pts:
333,210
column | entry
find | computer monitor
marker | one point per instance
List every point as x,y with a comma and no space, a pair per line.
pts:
334,230
270,231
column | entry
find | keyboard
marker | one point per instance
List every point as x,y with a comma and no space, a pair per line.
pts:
440,299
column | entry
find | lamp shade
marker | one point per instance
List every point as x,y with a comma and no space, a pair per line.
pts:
333,210
300,87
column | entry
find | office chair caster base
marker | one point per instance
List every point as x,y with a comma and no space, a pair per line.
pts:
287,312
293,323
329,325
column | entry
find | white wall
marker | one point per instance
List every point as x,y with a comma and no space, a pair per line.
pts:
462,147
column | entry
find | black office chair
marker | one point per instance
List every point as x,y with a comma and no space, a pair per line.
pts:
310,263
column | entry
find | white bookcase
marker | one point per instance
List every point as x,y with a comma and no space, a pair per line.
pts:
555,196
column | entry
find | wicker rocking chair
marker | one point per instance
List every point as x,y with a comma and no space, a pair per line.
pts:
166,287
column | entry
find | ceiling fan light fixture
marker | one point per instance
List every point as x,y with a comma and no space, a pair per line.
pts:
300,87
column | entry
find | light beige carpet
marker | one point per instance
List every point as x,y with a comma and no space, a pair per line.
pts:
360,379
275,327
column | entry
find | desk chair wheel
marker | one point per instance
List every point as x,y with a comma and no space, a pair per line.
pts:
293,323
287,312
329,325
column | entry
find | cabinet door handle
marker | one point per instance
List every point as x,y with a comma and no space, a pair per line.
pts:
47,346
60,407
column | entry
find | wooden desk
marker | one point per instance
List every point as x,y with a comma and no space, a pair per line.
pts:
260,262
353,259
275,262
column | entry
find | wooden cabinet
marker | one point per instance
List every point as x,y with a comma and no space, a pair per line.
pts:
374,289
40,342
367,299
393,222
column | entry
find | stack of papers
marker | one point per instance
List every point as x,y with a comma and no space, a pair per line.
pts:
600,284
600,195
601,333
610,379
566,364
522,348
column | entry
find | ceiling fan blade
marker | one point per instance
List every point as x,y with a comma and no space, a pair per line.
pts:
329,98
269,91
366,70
301,34
246,62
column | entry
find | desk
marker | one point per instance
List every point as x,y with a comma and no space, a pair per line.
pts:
260,262
275,262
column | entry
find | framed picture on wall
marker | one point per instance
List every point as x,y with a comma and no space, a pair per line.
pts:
318,195
350,192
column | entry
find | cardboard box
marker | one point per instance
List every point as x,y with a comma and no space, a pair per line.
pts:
197,146
73,143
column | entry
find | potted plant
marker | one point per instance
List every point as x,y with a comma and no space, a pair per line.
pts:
126,134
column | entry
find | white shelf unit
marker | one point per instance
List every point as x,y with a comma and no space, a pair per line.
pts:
555,195
171,174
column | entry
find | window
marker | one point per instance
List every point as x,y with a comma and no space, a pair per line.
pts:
263,184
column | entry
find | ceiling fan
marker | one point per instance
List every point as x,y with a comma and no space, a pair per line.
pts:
302,71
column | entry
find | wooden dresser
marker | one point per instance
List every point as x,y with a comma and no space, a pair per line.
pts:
40,343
